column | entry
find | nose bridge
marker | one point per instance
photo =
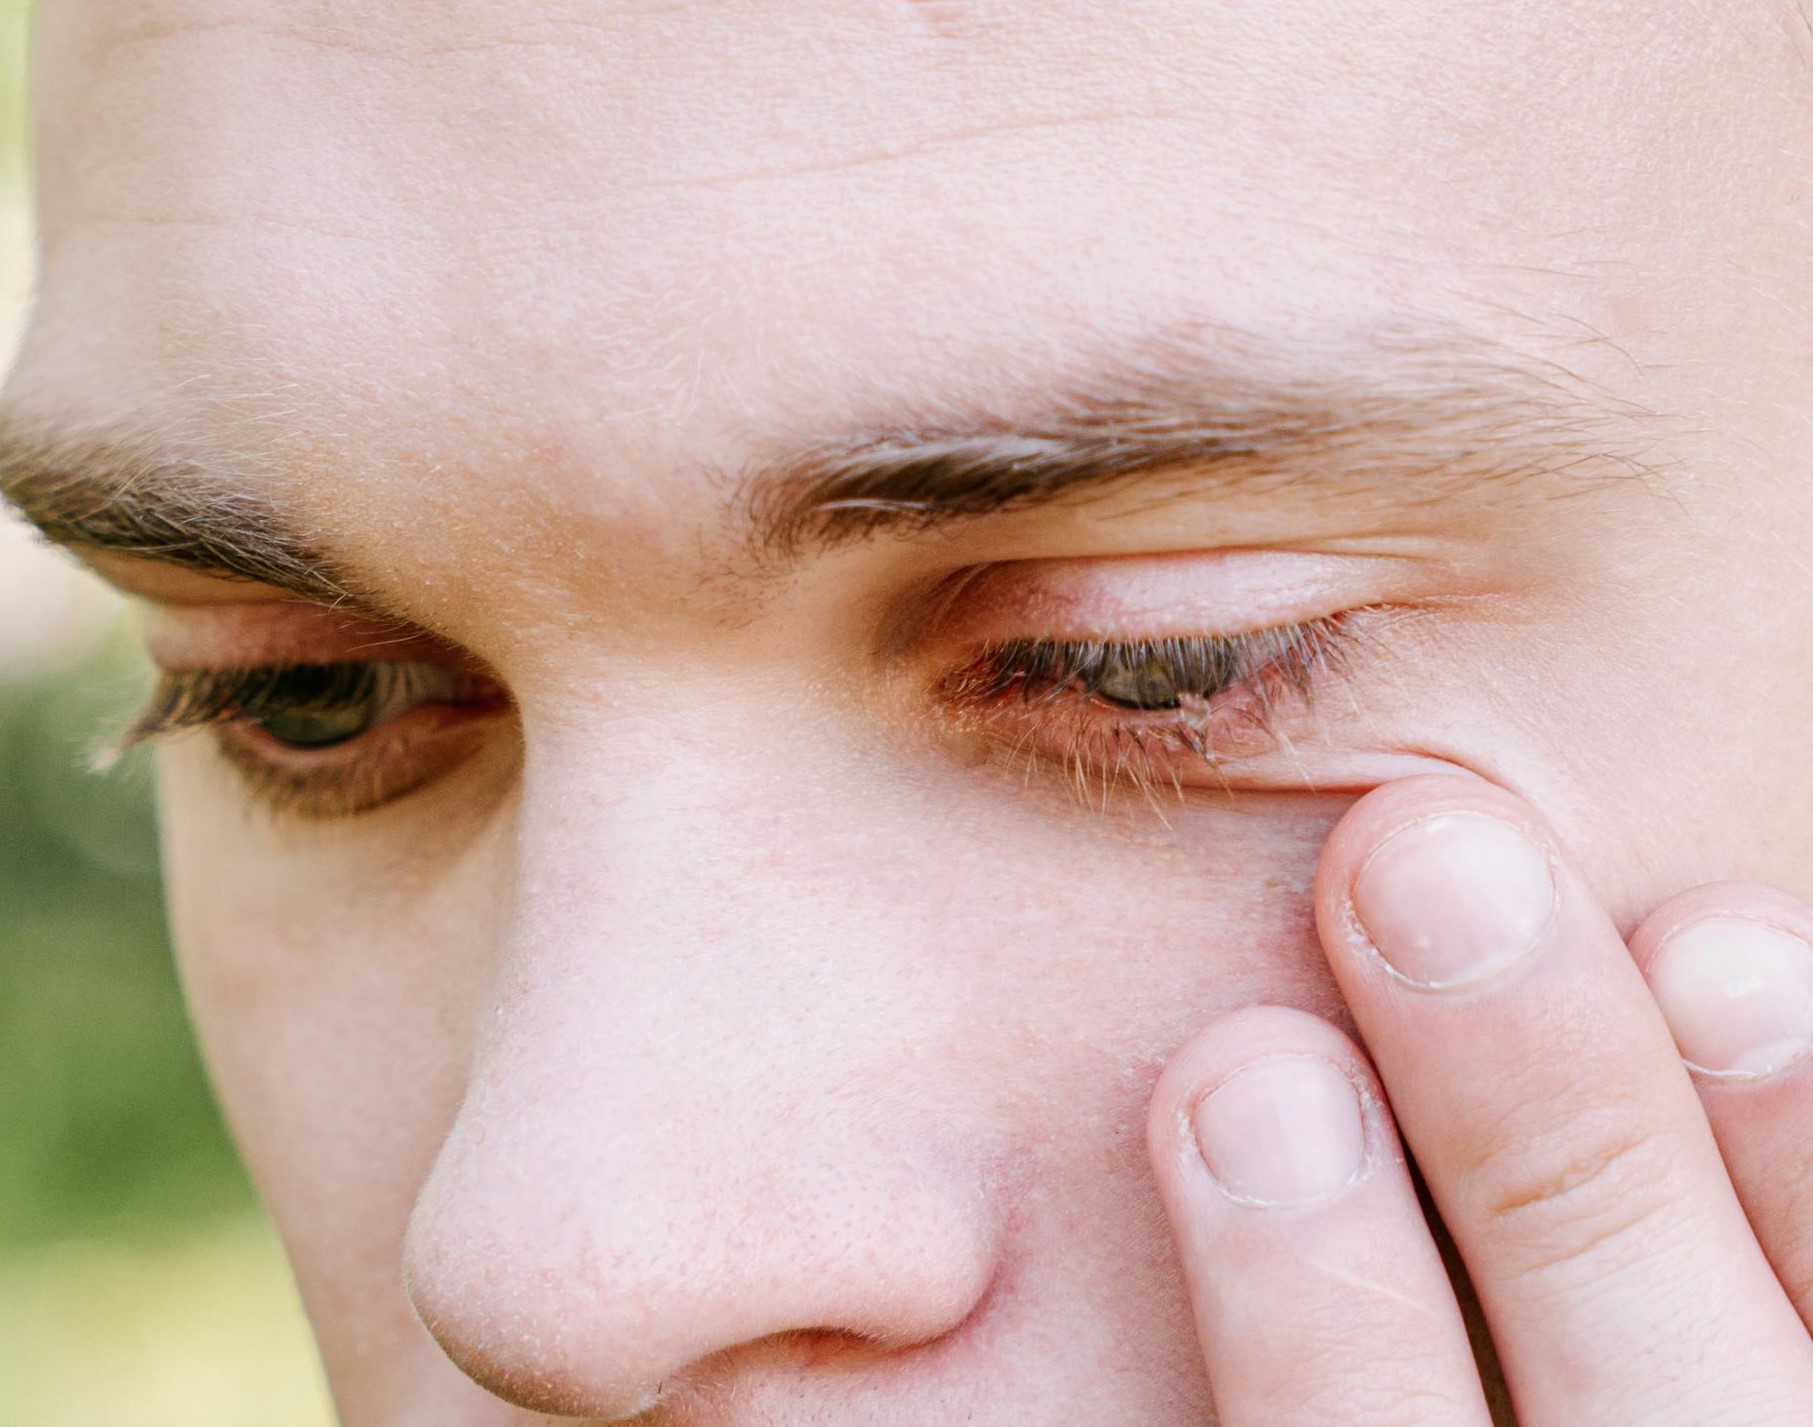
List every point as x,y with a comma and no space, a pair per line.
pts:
689,922
688,1129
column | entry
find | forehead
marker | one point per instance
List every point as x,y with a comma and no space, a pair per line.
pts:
615,237
621,174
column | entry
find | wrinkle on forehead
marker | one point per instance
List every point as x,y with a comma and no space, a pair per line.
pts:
556,112
799,88
537,123
410,33
572,219
372,28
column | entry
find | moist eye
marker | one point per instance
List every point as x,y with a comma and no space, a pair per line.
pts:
1184,677
1143,682
305,706
317,706
1150,713
317,728
315,741
1157,675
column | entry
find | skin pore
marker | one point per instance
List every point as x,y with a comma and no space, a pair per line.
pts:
730,982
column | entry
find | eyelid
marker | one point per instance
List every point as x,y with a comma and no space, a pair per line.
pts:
1036,700
1292,653
393,757
1184,594
187,638
163,582
1041,668
208,697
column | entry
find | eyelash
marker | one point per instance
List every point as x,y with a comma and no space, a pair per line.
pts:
348,775
210,697
1197,702
1055,699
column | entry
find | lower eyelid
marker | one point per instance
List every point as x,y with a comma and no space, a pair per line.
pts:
366,773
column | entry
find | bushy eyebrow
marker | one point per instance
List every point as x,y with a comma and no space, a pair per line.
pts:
1404,420
126,496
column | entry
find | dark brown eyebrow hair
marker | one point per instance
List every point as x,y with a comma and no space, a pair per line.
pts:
1418,417
122,495
1403,417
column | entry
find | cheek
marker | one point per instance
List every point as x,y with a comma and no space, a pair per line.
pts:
331,979
1112,941
1659,732
617,956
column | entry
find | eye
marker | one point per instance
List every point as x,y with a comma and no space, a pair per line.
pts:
1110,709
317,706
307,728
327,740
1143,681
1165,674
1152,675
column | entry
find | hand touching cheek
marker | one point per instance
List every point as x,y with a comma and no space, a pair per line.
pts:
1533,1076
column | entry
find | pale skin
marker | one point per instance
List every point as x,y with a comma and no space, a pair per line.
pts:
705,985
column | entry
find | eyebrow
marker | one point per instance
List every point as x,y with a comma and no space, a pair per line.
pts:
124,496
1409,417
1403,417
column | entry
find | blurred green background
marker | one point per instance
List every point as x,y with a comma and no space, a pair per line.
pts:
139,1284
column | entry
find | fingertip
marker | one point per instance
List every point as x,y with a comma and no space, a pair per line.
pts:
1392,807
1272,1106
1252,1033
1730,965
1737,900
1313,1278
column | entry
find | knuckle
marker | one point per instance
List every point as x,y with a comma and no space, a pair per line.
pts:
1578,1197
1364,1355
1381,1403
1362,1391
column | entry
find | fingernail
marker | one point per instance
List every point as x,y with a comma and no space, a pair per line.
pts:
1737,995
1282,1133
1453,899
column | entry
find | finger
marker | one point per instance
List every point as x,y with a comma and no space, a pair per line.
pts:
1319,1295
1537,1084
1731,966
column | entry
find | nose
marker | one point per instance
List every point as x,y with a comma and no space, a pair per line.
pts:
700,1126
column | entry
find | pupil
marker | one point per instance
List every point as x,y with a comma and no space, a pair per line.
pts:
317,728
1145,685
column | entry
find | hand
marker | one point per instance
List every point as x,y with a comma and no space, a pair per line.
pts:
1640,1237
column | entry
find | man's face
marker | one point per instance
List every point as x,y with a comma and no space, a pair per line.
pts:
877,540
